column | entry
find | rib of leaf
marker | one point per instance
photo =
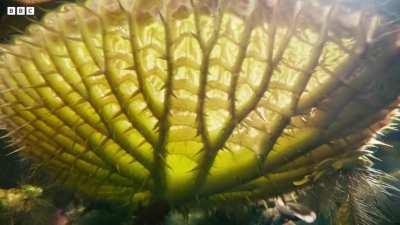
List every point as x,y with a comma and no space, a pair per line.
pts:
67,82
105,189
346,95
209,158
243,45
106,155
345,70
270,139
268,73
86,40
227,130
71,125
23,97
134,122
113,84
54,135
164,125
325,151
69,54
208,152
125,144
300,85
33,139
52,160
364,122
59,92
80,152
270,185
96,181
132,23
261,188
62,173
82,166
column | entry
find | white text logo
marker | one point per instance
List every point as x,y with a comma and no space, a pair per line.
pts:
20,11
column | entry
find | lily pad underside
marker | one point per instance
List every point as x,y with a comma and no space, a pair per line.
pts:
182,100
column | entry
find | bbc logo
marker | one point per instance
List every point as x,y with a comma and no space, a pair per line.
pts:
21,11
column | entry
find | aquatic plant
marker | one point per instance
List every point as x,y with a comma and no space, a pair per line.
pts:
195,102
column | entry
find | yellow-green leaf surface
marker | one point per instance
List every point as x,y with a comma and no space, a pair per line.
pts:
180,100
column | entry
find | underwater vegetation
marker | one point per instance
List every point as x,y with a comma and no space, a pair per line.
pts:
191,105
